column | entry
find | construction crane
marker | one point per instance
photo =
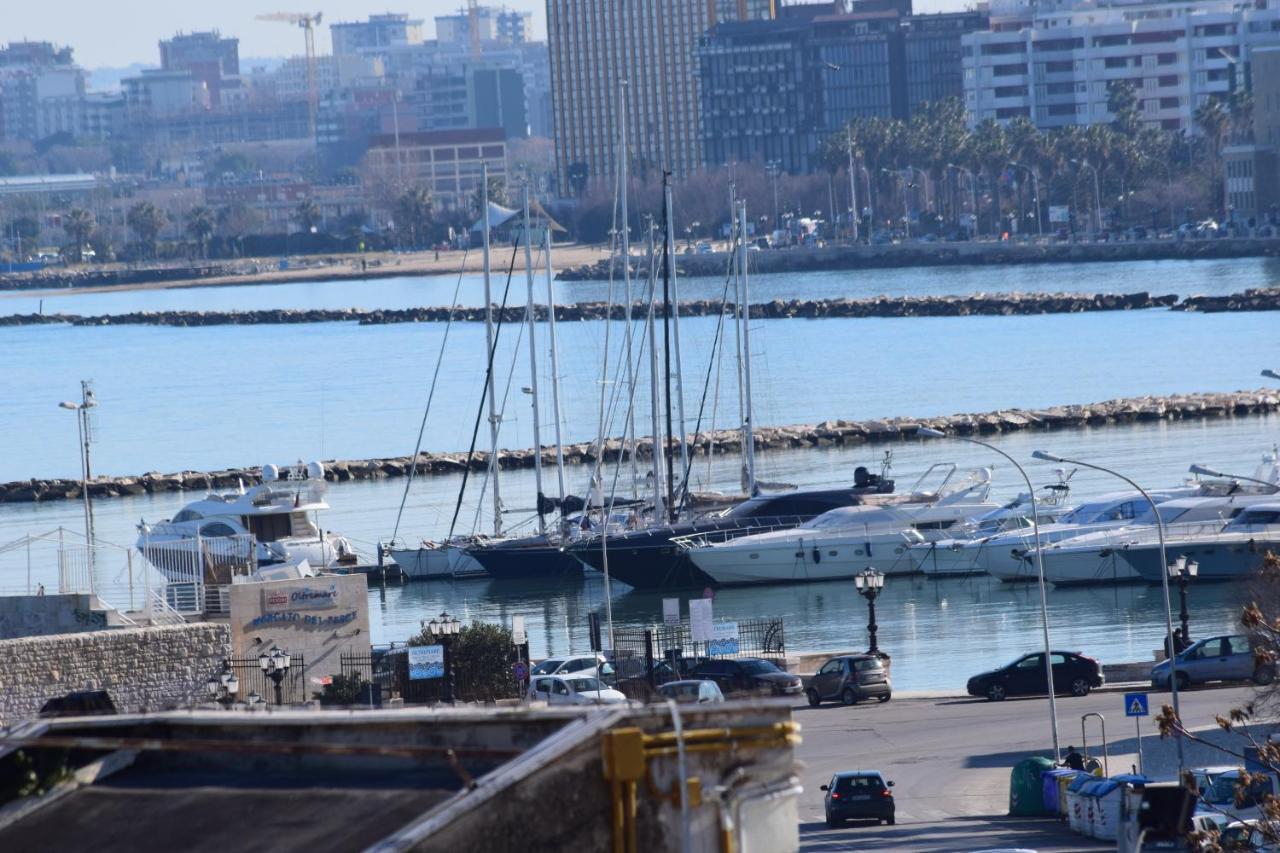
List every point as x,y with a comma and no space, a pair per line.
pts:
473,25
308,23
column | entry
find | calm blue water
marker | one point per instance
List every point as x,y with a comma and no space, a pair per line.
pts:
175,399
1179,277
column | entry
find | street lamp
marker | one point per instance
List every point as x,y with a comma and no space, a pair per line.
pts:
87,401
973,188
1164,577
1270,374
1204,471
1035,193
224,686
1044,600
1183,570
869,584
1097,194
275,665
906,217
445,628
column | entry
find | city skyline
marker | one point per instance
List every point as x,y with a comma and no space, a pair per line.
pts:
101,38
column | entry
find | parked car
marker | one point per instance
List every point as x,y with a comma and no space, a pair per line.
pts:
700,691
858,795
567,666
751,675
1246,835
1223,793
1072,673
1227,658
572,690
850,678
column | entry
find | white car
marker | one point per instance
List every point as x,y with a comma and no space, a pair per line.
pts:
568,666
572,690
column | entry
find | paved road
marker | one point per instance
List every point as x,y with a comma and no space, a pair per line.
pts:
950,759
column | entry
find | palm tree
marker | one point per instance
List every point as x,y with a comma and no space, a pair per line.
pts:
989,151
1212,118
236,221
1240,112
79,225
200,224
412,212
146,220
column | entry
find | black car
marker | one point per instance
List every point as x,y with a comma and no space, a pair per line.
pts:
858,795
1072,673
750,675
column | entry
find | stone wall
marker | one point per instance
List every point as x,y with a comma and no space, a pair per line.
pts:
37,615
141,668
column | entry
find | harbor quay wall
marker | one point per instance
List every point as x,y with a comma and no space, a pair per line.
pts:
831,433
977,305
140,668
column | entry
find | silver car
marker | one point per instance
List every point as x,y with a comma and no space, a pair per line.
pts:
1227,658
701,691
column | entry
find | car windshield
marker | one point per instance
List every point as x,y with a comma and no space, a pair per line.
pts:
682,690
585,685
859,784
757,667
867,663
1219,790
547,666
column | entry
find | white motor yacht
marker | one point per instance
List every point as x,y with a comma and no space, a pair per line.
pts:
268,531
1096,559
844,541
434,560
957,556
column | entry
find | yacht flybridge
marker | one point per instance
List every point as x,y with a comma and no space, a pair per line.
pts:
266,532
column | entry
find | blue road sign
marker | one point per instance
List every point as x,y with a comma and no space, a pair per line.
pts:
1135,705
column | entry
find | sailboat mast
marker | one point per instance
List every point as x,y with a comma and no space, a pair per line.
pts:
555,360
623,171
655,395
744,310
666,338
674,311
533,359
488,337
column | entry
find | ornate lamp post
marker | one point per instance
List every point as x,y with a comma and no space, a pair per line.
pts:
275,665
445,628
869,584
1183,570
224,686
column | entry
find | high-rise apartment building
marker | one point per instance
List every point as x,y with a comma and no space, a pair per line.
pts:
605,53
376,35
42,91
207,56
1251,167
1055,62
493,25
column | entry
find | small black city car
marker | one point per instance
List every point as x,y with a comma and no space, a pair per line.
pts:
858,795
1072,673
749,675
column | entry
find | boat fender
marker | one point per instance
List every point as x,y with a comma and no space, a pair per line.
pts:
817,556
868,548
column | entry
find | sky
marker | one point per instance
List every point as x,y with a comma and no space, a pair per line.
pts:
105,35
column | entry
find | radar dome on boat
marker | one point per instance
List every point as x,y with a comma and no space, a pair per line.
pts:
315,470
270,473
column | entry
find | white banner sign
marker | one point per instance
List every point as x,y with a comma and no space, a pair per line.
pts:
700,620
671,611
1059,213
518,636
426,662
724,639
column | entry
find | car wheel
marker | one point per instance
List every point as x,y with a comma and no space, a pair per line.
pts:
848,697
1264,675
814,699
1184,681
884,697
996,693
892,820
1080,687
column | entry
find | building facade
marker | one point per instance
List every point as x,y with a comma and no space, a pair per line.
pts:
1055,63
493,24
448,164
1251,167
42,91
376,35
773,90
605,54
207,56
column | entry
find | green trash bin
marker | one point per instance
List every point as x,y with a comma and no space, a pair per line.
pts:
1026,787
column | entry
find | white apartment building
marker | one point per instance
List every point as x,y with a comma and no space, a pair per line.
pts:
1054,61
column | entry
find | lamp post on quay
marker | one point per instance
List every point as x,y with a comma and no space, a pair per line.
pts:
275,665
869,584
446,628
1183,570
1164,576
224,686
1270,374
84,429
1044,600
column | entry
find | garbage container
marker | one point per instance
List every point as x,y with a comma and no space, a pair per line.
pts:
1026,789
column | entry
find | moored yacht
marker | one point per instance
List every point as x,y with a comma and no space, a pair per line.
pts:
1234,551
844,541
434,560
270,530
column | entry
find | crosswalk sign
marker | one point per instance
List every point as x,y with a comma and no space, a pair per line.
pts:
1135,705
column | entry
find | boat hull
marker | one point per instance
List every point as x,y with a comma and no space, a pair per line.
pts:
954,558
534,559
1218,561
436,563
1102,567
803,562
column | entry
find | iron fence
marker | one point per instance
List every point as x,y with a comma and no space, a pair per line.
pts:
645,658
489,678
293,688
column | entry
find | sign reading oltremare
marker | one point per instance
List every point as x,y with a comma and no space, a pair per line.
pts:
320,618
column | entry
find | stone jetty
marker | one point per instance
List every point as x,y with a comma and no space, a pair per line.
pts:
981,304
1257,299
833,433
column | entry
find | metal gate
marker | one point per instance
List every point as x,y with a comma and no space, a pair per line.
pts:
293,689
647,657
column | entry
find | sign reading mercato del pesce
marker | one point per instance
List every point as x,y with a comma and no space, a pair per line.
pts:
289,603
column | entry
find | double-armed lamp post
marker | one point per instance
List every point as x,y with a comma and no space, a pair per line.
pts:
275,666
869,584
446,628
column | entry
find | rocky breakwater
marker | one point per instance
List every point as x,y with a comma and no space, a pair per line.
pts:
1257,299
980,304
826,434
